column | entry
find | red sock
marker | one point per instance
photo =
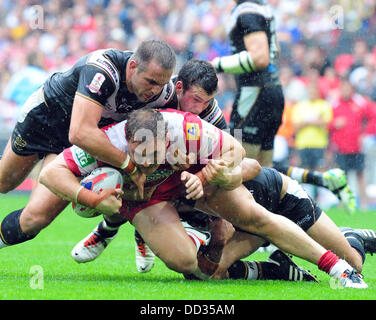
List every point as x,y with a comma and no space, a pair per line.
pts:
327,261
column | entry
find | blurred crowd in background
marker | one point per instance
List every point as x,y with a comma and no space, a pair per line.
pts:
327,52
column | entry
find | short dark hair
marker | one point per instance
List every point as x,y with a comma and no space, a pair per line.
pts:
158,50
200,73
148,119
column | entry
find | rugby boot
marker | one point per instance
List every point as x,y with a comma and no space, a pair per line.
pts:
202,236
289,270
144,256
366,236
91,247
352,279
335,180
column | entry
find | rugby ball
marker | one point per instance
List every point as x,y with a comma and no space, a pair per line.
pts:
98,180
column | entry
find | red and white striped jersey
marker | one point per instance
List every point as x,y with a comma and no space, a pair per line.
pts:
186,132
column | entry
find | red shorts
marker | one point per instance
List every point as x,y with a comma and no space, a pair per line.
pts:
170,189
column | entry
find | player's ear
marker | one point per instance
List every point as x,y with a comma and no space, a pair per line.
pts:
133,65
179,87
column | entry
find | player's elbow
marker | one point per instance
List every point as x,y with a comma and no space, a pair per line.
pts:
79,136
75,137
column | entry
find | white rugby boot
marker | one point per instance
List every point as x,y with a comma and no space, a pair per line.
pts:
91,247
144,256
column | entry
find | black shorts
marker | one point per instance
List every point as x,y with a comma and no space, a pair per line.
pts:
312,158
298,207
348,162
40,130
257,111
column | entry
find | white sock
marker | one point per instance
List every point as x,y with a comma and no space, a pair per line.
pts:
339,268
297,174
195,239
253,270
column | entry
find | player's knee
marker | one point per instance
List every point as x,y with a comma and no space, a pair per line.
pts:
183,263
258,218
33,221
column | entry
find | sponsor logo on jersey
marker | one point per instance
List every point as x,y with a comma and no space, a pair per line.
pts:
96,83
83,157
192,131
155,176
108,67
19,143
98,58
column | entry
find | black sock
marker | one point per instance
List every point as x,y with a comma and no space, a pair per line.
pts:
247,270
111,228
256,270
10,230
238,270
315,178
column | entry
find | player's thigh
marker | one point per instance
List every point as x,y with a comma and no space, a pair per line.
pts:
14,168
161,228
43,206
237,206
325,232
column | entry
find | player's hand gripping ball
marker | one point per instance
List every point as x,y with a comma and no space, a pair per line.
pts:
98,180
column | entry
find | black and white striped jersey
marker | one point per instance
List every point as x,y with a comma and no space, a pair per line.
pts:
100,76
248,17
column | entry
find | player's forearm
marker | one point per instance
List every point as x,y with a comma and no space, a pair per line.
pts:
243,62
96,143
238,63
60,181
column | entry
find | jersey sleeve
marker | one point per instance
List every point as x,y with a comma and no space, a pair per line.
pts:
79,161
214,115
250,22
202,138
95,84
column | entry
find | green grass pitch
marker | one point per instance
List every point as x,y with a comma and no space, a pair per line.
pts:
42,269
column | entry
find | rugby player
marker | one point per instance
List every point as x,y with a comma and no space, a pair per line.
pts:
282,195
157,220
195,86
259,100
101,88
